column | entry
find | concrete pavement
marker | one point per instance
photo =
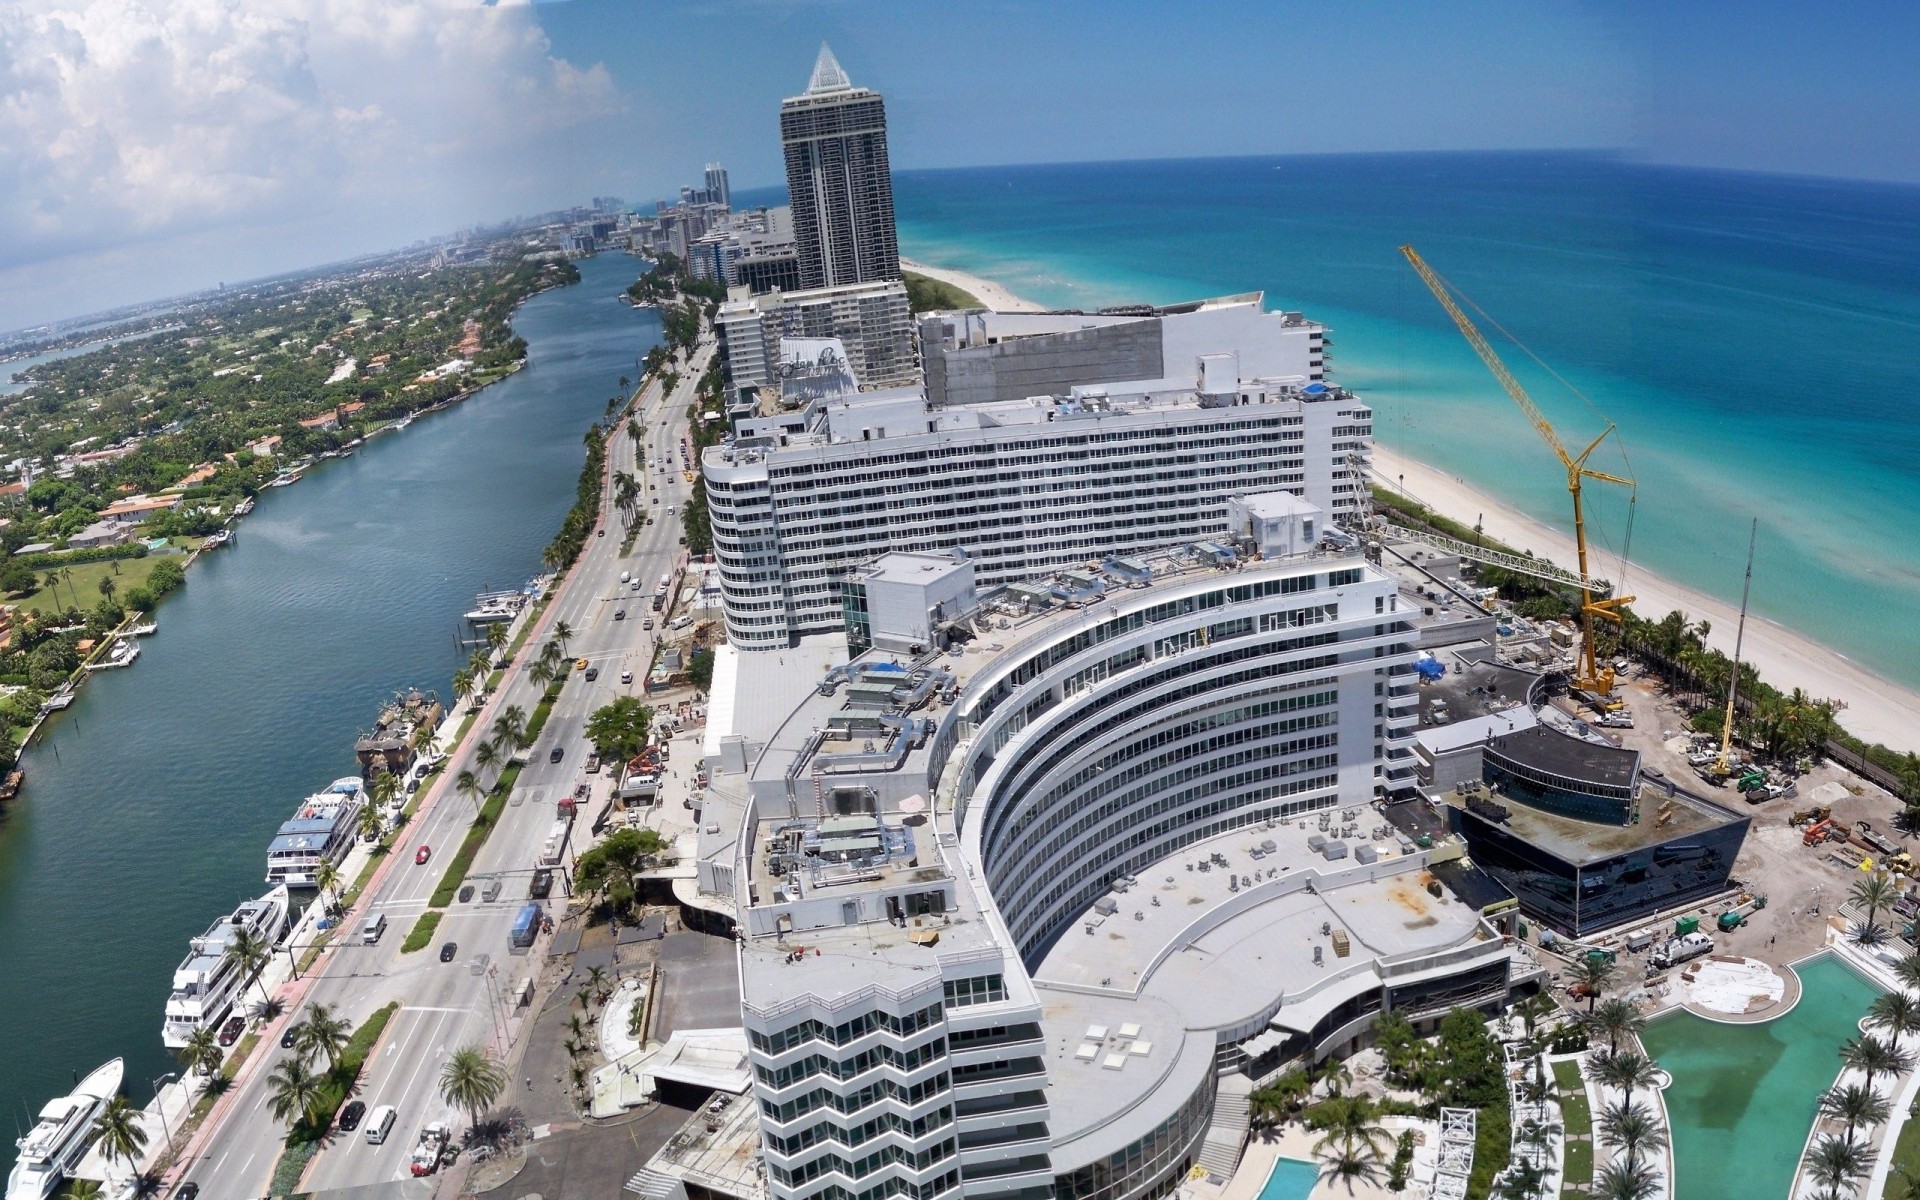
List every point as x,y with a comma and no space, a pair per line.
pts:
466,1001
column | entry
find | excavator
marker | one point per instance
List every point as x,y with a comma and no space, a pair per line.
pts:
1591,674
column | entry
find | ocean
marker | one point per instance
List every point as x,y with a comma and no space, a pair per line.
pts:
1756,339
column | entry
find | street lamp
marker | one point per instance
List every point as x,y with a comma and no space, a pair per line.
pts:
167,1128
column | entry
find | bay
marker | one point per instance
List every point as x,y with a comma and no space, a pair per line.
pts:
149,803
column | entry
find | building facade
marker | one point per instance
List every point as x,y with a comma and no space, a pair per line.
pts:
834,138
873,322
919,844
1021,487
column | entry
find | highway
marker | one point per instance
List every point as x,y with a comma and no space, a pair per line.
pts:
447,1005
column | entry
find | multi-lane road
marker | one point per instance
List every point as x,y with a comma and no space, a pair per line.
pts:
462,1002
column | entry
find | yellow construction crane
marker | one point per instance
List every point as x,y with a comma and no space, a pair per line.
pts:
1591,674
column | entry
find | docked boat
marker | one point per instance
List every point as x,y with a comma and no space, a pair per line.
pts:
59,1140
122,655
244,507
223,537
207,982
490,608
285,479
147,630
322,829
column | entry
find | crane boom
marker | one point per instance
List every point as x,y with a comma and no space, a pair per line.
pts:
1591,675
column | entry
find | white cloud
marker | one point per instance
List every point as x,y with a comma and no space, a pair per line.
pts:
144,120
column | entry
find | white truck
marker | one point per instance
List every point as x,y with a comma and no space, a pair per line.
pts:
431,1148
1680,949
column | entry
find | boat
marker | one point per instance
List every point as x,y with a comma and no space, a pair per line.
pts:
285,479
122,655
244,507
321,829
147,630
59,1140
207,982
222,538
493,607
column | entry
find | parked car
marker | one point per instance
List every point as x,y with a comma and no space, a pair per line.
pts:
559,752
186,1191
593,764
448,950
231,1031
421,855
351,1114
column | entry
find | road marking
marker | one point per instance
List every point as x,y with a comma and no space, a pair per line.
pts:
425,1009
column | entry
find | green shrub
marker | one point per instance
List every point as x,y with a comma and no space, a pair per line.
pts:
422,931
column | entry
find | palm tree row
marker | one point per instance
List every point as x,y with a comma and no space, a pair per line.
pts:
295,1089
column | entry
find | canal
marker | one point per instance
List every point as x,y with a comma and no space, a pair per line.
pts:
149,803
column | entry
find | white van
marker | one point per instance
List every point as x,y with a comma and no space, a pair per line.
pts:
372,928
625,576
380,1123
681,621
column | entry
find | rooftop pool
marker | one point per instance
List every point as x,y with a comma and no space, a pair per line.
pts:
1743,1096
1290,1179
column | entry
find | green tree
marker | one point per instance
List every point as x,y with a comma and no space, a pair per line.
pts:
107,587
370,823
472,1080
202,1053
613,867
1631,1129
486,756
118,1129
322,1035
326,880
1837,1164
1627,1070
1874,1056
249,952
1614,1020
618,730
1619,1181
293,1090
700,668
17,578
1895,1013
1856,1105
468,785
1595,975
1875,892
563,633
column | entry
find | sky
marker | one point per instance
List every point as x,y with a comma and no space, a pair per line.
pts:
150,147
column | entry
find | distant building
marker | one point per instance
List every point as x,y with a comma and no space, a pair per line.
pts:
106,532
136,509
873,321
838,179
717,188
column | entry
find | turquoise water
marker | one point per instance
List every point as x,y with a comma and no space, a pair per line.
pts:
1290,1179
149,803
1743,1096
1755,338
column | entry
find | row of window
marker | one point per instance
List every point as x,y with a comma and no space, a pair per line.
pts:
980,989
892,1189
855,1136
859,1064
853,1102
846,1031
865,1165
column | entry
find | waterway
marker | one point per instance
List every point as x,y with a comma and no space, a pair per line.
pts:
149,803
1743,1096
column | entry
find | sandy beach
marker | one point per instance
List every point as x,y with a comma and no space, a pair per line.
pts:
1877,709
988,292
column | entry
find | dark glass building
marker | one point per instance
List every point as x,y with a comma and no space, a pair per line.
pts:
839,181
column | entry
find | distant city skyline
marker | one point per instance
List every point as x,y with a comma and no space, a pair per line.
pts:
149,149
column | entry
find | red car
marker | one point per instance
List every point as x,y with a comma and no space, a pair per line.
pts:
422,854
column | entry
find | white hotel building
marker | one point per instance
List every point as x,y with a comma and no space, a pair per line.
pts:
1054,438
1030,916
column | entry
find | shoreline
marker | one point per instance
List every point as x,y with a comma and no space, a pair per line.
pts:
1876,709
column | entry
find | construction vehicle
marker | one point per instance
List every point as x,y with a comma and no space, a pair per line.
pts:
1808,816
1733,679
1736,916
1865,838
1678,950
1750,778
1590,674
430,1150
1817,833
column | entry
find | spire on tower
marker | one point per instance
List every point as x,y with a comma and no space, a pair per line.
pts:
827,75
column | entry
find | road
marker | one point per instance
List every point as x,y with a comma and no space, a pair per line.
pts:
447,1005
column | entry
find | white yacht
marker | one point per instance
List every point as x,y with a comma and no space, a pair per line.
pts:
60,1139
207,982
122,655
323,828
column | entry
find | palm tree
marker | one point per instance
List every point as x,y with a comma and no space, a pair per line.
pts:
323,1035
496,637
543,674
384,787
249,952
1867,934
1349,1163
1837,1164
1907,970
292,1090
462,684
1875,892
597,980
1595,975
1350,1121
1895,1012
119,1132
371,824
472,1080
1874,1056
326,877
1615,1019
468,785
563,633
1627,1070
480,663
106,587
202,1053
486,756
1618,1181
1856,1105
1632,1129
423,738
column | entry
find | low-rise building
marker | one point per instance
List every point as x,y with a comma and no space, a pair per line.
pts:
873,321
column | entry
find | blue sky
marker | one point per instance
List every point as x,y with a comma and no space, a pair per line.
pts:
149,147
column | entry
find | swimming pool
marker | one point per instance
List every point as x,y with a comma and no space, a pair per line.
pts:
1743,1096
1290,1179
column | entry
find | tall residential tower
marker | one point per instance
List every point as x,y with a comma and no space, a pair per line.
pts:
835,140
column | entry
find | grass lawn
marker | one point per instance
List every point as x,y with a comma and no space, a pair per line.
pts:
83,590
1906,1152
925,293
456,873
422,931
337,1083
1579,1121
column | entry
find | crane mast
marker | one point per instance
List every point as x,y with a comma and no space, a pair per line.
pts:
1590,674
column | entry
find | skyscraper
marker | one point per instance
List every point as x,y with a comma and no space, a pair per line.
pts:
717,190
835,140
